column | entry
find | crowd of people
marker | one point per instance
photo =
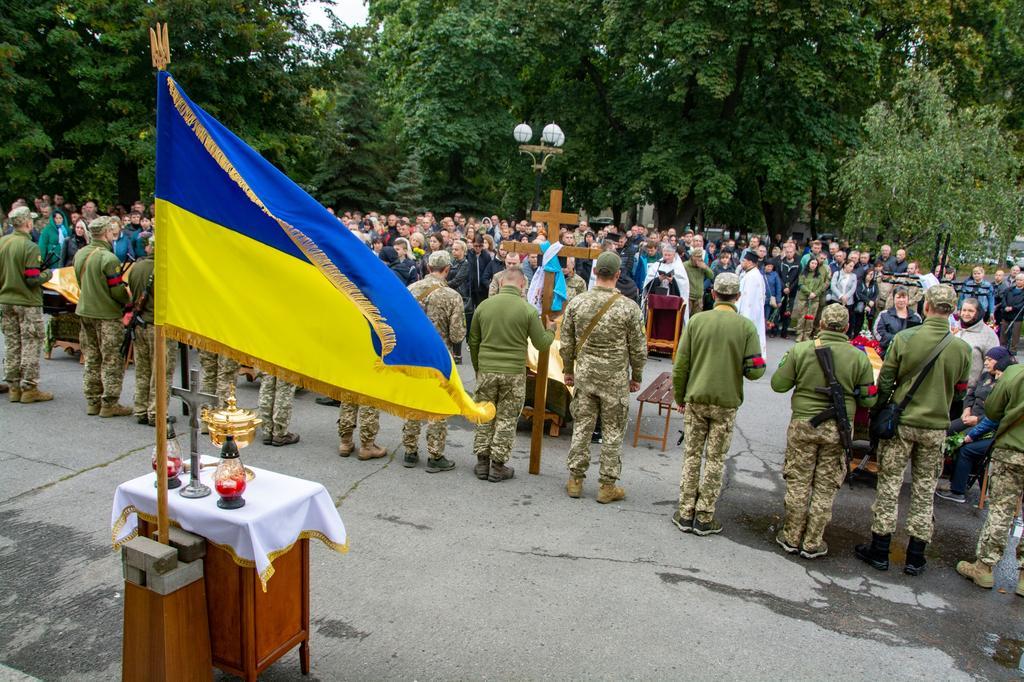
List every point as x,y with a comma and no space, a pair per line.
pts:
941,356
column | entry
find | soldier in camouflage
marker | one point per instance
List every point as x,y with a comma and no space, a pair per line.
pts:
444,307
368,419
1005,405
921,431
497,345
100,307
815,464
602,334
275,404
574,284
21,305
220,374
140,279
717,350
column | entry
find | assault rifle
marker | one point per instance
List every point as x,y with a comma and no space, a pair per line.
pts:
137,307
837,410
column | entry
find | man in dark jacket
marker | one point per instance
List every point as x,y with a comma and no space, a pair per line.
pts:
789,273
1013,310
479,260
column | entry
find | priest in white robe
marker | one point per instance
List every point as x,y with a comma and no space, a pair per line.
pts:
669,275
751,303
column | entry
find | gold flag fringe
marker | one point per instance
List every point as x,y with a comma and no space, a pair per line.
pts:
475,412
308,247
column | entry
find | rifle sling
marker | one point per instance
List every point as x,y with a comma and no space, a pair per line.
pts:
828,369
585,336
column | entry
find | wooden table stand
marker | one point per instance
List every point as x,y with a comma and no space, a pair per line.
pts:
251,629
660,393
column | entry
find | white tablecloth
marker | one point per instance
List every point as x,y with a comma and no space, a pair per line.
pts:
279,510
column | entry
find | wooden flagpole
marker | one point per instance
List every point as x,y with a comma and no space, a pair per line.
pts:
161,51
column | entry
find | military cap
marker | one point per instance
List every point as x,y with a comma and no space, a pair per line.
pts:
941,298
835,317
99,225
727,283
607,264
439,259
697,253
22,213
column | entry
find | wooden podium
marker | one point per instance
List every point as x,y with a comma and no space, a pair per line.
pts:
250,629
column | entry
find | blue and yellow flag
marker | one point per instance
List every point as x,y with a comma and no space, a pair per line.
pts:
249,265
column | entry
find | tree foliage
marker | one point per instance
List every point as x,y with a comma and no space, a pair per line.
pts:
732,112
925,167
82,76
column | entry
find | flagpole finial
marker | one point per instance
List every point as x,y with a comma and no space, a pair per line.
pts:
160,46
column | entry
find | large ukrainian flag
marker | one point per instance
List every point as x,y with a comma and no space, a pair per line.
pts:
249,265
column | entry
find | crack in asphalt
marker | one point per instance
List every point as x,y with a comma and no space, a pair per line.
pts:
538,552
74,473
344,496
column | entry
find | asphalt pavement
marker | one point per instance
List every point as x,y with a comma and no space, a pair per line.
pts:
449,577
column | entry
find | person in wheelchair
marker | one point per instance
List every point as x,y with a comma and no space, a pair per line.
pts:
979,429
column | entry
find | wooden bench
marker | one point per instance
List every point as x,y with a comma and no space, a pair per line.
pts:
660,393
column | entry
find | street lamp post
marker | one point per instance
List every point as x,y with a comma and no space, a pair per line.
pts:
551,140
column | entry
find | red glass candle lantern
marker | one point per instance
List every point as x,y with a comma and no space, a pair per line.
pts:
229,478
174,463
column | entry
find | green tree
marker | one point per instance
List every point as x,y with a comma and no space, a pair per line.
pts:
87,68
926,167
357,152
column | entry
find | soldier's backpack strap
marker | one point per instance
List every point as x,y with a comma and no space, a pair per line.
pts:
424,295
597,318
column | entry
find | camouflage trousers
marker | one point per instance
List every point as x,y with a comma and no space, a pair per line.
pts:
145,371
923,448
24,333
508,393
804,314
437,434
104,366
696,305
276,396
814,470
369,422
220,375
707,426
1005,488
614,413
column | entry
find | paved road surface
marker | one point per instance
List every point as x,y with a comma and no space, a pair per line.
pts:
449,577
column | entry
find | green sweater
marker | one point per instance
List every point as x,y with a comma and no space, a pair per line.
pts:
947,379
138,281
809,284
1006,404
717,349
103,294
501,326
696,275
21,278
800,370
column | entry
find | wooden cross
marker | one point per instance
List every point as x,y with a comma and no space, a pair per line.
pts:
553,219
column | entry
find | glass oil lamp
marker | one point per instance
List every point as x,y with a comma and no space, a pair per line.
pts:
174,463
229,479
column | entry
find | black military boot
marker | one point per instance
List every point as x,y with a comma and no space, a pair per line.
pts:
877,553
915,557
